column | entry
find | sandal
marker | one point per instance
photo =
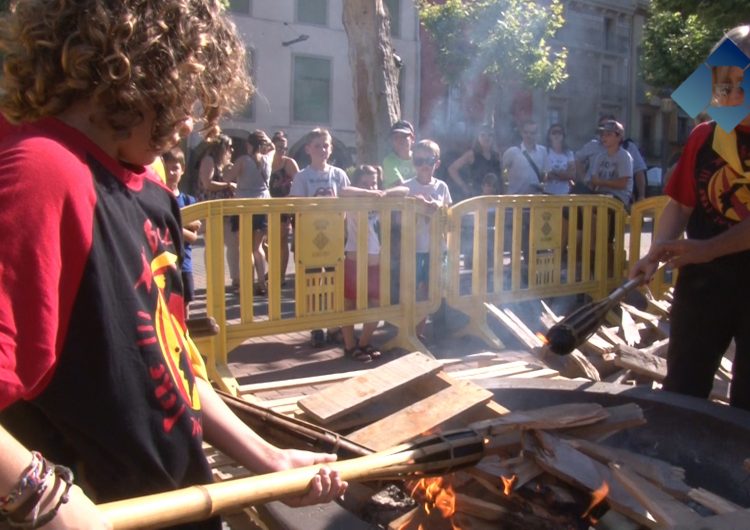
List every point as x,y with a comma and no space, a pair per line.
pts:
357,354
370,350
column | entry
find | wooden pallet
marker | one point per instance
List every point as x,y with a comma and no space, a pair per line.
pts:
399,401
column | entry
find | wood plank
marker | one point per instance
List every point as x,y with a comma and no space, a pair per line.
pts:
655,322
572,466
552,417
629,330
338,400
641,363
422,416
712,501
404,521
668,511
252,388
670,478
620,417
521,332
739,520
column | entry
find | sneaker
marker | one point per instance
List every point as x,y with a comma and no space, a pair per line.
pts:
335,336
317,338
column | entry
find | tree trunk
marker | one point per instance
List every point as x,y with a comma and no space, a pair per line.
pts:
374,77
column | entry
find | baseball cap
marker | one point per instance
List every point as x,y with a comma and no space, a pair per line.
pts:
402,126
612,126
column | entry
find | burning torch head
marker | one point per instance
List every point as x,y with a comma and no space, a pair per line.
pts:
561,339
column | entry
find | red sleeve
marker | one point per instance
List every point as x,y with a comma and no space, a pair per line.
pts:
681,185
46,217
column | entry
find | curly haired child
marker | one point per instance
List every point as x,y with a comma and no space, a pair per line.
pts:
90,331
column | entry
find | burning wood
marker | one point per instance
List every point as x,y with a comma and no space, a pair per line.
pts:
548,479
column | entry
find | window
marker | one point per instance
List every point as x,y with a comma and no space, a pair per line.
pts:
248,113
394,10
609,33
311,94
312,12
554,115
242,7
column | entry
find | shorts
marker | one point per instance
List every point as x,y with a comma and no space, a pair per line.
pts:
350,280
260,222
423,267
188,287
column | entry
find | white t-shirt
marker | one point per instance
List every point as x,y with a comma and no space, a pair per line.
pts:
437,191
313,183
352,228
522,179
557,162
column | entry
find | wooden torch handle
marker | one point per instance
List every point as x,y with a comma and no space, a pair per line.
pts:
197,503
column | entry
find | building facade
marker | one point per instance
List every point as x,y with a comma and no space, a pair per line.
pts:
603,41
298,53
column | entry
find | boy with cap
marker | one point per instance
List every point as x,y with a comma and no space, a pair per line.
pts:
611,170
397,166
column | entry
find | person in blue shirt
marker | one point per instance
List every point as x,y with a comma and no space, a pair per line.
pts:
174,167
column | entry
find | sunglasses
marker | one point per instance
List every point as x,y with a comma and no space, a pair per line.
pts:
424,161
725,89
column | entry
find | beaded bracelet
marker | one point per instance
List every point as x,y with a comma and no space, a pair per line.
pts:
37,521
31,479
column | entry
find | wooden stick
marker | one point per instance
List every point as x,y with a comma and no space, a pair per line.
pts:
430,455
308,434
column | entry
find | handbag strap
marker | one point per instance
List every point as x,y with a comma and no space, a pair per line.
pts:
533,165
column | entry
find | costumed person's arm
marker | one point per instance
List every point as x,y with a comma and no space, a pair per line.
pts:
671,225
686,251
225,431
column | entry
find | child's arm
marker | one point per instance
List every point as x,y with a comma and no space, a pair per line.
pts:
227,433
193,226
206,176
396,191
77,512
353,191
189,236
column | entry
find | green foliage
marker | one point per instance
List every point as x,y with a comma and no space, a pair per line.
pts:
679,35
501,38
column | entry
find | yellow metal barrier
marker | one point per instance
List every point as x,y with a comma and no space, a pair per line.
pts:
644,218
514,248
531,246
319,271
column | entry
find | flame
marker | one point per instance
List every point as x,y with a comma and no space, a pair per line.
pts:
437,494
542,337
508,483
597,496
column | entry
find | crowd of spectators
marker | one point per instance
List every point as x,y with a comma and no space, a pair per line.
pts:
260,167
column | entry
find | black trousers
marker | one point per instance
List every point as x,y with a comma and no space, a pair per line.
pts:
711,307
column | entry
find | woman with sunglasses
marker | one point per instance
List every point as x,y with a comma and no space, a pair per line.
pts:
560,168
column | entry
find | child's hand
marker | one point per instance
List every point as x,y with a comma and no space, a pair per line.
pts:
325,485
194,226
